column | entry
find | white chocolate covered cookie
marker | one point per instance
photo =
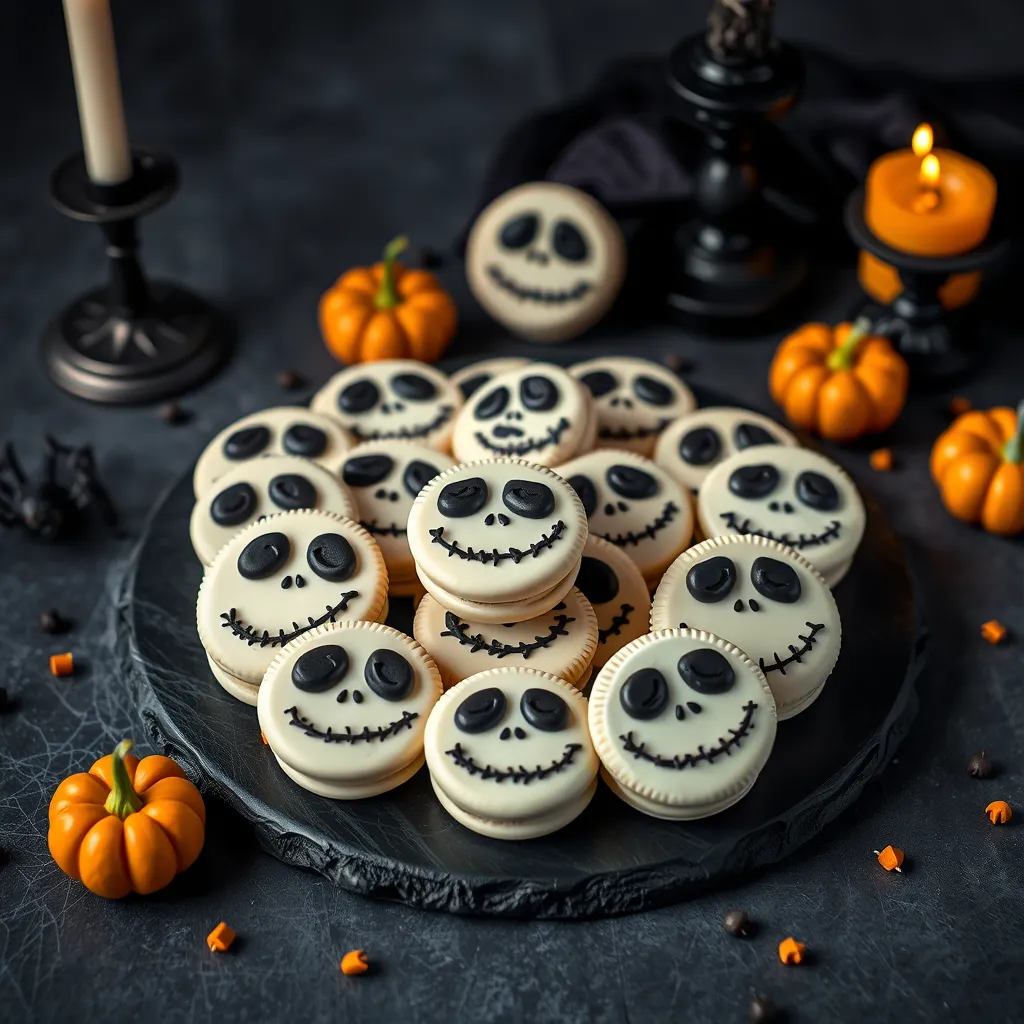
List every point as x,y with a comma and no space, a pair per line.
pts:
473,376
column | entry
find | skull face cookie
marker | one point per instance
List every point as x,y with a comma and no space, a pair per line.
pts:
545,260
509,753
344,708
392,400
278,579
472,377
683,722
635,400
792,495
766,599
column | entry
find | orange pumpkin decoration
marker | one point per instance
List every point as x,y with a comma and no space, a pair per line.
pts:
126,825
839,382
978,464
387,312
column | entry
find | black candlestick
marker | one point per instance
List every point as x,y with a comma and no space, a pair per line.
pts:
133,340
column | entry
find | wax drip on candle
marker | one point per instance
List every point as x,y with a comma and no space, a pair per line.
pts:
929,198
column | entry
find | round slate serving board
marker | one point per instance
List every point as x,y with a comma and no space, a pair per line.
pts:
611,860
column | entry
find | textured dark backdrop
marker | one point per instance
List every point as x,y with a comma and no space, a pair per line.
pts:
309,133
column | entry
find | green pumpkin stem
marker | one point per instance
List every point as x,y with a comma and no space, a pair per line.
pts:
387,295
842,358
1013,450
123,799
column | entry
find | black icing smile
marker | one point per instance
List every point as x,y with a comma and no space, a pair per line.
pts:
371,527
494,556
251,635
680,761
631,433
380,733
520,774
615,626
495,648
668,513
830,533
559,298
795,654
533,444
444,414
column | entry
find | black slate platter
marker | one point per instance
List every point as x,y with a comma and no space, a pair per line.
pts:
611,860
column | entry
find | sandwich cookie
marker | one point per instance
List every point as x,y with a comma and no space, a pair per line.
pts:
683,722
694,444
793,495
385,477
392,400
344,708
766,599
283,430
278,579
509,753
562,641
472,377
635,505
258,488
635,399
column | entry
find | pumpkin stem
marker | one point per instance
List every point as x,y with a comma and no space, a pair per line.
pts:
123,799
387,294
1013,450
841,358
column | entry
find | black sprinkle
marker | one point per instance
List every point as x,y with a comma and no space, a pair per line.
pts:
53,622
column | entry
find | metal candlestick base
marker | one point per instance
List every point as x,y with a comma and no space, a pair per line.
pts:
131,341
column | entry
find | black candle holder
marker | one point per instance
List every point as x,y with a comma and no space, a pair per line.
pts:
133,340
934,341
731,260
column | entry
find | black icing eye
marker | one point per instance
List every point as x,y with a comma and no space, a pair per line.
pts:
597,580
544,710
568,241
711,580
359,396
776,580
644,694
320,668
538,394
754,481
413,386
706,671
263,556
585,491
389,675
473,384
519,232
480,711
245,443
462,498
630,482
492,404
331,557
417,475
699,446
290,490
366,470
653,392
599,382
528,498
817,491
234,505
747,435
302,439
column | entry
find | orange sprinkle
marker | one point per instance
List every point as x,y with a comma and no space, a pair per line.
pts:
62,664
263,736
881,460
791,951
993,631
958,405
220,939
890,858
354,962
999,812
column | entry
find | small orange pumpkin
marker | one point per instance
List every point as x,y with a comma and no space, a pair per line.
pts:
387,312
126,825
839,382
978,464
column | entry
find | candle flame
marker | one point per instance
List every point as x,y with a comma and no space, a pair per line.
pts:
930,171
922,141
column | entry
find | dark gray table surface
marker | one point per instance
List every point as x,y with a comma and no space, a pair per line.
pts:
308,134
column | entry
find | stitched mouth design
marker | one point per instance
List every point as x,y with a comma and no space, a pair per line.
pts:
521,774
371,527
494,556
779,665
403,433
533,444
495,648
830,533
668,513
367,735
631,433
615,626
505,283
680,761
251,635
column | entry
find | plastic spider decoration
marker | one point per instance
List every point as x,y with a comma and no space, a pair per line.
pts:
53,506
